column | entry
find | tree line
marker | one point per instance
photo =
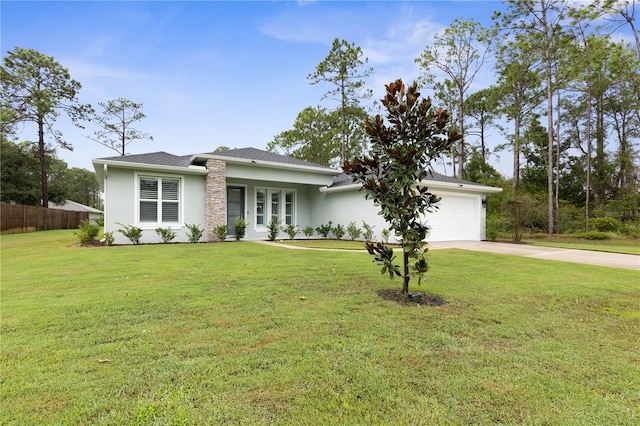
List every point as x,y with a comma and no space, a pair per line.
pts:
37,89
565,101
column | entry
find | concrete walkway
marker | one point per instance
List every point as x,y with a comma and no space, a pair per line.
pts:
614,260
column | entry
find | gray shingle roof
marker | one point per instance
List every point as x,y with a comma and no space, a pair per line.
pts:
260,155
344,179
159,158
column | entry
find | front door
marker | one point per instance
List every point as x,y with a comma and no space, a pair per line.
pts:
235,206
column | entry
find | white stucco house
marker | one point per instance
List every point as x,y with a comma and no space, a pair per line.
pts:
210,189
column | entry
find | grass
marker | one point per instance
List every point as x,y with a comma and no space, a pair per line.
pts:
318,243
617,245
218,333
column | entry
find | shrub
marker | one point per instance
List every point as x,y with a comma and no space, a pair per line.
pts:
605,224
540,235
274,228
367,234
385,235
166,234
338,231
592,235
99,220
324,230
87,231
353,231
220,232
631,230
109,238
291,230
133,233
195,232
308,231
240,227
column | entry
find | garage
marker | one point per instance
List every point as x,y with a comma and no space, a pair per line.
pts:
457,218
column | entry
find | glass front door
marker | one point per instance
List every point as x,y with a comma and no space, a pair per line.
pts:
235,206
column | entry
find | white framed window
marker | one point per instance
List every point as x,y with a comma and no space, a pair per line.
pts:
261,207
289,207
158,199
275,204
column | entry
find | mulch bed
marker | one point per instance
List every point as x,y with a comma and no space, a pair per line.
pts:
412,298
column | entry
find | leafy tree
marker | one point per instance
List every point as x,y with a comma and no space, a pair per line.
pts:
82,187
36,88
316,136
345,69
402,150
20,174
482,106
539,24
116,124
459,52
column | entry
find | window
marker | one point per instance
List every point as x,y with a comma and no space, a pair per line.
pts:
288,207
275,204
159,200
261,208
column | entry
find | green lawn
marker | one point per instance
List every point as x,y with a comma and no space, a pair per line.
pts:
218,333
617,245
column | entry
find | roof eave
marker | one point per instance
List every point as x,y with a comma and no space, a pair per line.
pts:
270,164
196,170
428,183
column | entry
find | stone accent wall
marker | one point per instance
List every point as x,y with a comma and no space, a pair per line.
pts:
215,197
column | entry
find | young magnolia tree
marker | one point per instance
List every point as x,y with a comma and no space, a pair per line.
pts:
402,149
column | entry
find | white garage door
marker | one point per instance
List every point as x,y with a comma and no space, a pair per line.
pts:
457,219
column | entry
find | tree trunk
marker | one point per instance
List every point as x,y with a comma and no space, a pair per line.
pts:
43,164
461,131
515,182
406,277
547,57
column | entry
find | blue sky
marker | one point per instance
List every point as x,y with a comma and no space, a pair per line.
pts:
213,73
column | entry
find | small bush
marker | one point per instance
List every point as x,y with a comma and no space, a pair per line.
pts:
338,231
308,231
353,231
631,230
291,230
240,227
220,232
195,232
324,230
367,234
109,238
273,227
99,221
604,224
592,235
166,234
133,233
385,235
540,235
87,231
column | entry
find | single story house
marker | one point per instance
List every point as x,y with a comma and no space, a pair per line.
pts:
94,214
210,189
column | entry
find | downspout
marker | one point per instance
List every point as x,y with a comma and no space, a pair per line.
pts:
104,197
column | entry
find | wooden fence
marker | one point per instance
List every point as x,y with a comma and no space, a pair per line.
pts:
16,219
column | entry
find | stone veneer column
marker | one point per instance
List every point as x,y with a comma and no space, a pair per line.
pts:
215,197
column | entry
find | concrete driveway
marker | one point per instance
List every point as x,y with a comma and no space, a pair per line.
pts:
614,260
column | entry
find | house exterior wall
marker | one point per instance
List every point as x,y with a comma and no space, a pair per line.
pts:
256,172
460,215
215,197
121,204
302,214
